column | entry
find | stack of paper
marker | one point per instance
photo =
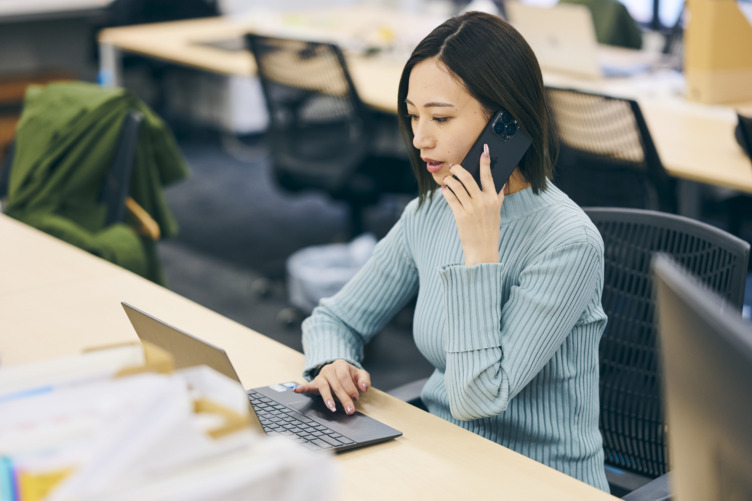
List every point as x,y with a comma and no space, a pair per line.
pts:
74,433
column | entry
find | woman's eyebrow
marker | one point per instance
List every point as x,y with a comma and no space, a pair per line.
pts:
433,104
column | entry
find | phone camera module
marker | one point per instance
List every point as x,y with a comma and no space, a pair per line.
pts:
506,118
511,129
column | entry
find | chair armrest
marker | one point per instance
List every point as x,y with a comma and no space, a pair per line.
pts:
655,490
146,224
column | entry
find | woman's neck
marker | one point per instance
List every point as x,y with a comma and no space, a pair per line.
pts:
516,182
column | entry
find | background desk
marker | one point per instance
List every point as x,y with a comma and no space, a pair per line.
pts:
56,300
695,142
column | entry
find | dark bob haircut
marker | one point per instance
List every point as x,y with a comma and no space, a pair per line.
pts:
499,69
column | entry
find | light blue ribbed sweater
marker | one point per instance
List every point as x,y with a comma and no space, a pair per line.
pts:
514,344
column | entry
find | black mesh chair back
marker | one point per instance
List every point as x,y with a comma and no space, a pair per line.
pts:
607,157
631,419
116,183
320,131
5,170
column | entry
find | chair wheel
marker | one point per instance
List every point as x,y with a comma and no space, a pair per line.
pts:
289,317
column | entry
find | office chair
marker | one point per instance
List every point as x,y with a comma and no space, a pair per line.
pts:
631,419
89,166
114,191
607,156
322,137
5,172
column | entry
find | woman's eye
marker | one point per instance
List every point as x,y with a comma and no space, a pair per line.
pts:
411,117
441,120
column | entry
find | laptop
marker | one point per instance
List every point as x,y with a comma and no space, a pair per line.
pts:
563,39
275,409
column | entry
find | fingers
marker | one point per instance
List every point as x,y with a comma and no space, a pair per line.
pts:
362,379
486,178
461,182
306,388
343,388
502,193
340,381
326,396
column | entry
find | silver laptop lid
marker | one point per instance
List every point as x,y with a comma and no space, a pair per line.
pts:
562,36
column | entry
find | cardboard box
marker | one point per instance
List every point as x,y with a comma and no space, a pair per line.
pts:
717,55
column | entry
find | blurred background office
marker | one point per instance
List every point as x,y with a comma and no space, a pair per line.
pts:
237,225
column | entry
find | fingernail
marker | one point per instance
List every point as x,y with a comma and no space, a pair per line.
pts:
450,166
355,396
349,409
331,405
485,151
363,386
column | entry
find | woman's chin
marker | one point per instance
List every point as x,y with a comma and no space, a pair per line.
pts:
438,177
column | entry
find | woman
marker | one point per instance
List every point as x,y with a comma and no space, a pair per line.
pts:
508,280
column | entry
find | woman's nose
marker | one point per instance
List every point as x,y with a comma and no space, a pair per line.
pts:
422,140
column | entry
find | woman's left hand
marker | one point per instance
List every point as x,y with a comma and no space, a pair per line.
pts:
477,211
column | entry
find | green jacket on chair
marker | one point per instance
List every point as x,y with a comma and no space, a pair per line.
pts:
65,144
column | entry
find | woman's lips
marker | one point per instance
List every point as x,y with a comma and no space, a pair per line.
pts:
433,166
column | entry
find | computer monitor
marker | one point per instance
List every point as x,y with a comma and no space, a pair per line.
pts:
707,366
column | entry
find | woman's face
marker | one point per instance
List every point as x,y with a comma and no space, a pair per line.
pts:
446,120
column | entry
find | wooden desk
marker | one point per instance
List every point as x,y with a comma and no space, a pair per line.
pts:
695,142
56,300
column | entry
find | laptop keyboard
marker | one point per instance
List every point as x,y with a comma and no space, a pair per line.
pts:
278,419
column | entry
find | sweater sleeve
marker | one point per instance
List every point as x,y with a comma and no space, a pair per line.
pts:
496,345
341,325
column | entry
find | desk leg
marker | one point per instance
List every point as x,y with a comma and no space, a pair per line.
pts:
109,65
689,198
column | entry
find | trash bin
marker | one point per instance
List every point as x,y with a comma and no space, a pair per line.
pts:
321,271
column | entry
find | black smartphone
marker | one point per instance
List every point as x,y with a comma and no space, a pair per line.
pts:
507,143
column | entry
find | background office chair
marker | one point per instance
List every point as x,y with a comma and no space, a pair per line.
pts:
116,184
88,167
607,156
321,135
631,420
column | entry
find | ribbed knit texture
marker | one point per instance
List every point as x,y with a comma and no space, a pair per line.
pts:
514,344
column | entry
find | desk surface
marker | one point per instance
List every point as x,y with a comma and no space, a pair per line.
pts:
56,300
694,141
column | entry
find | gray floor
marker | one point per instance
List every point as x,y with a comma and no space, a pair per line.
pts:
236,231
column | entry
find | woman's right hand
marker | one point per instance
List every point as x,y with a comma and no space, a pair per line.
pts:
340,380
